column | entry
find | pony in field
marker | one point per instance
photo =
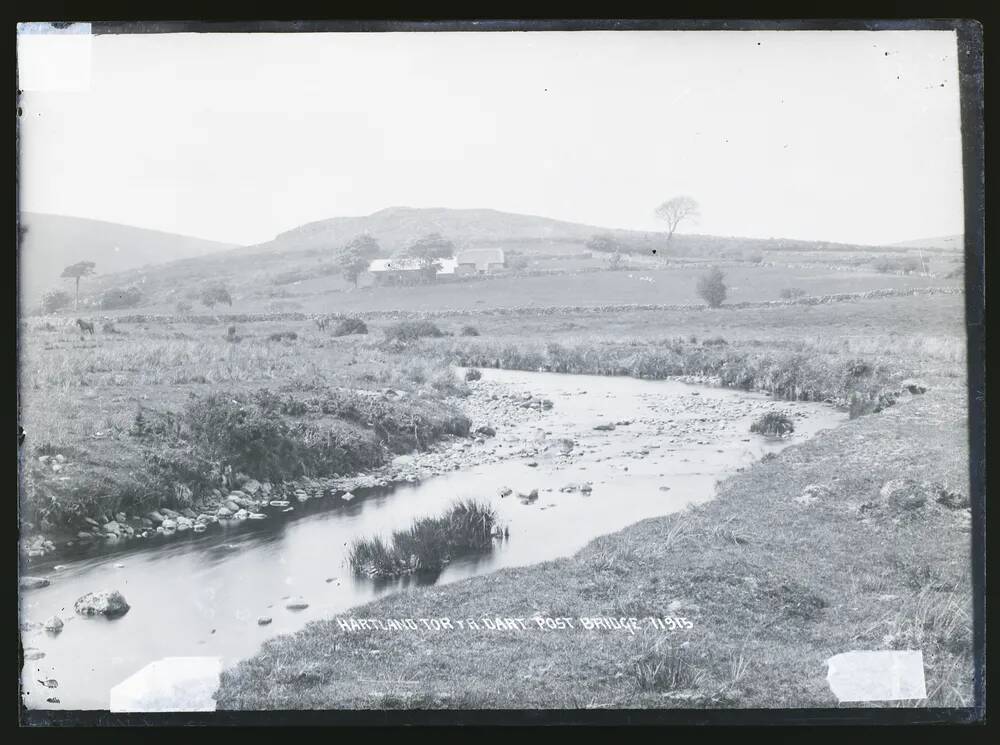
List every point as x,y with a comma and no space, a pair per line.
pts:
85,326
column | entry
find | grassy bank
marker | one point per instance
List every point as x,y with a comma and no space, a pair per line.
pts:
799,558
862,386
168,415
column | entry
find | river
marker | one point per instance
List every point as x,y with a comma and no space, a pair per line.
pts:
202,594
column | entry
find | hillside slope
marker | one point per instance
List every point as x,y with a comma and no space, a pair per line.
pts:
949,242
53,242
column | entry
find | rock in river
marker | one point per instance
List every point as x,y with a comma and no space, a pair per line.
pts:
32,583
297,604
263,620
109,603
54,625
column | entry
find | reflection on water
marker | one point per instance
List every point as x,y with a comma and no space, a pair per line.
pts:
201,595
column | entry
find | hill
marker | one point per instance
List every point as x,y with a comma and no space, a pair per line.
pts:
53,242
945,242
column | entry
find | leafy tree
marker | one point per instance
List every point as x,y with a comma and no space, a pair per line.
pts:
55,300
712,287
429,251
615,261
215,294
673,211
356,257
76,271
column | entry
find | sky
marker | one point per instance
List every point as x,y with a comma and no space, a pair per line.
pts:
847,136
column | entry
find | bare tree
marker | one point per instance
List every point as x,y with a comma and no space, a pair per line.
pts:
674,210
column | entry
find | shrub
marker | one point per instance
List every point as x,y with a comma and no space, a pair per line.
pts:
215,294
429,544
283,335
773,423
754,257
56,300
790,293
127,297
183,306
411,330
469,331
718,341
712,287
348,326
473,374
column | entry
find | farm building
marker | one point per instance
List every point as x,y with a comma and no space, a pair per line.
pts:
402,269
480,260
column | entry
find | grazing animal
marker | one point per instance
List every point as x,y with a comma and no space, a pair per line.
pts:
85,326
231,332
321,323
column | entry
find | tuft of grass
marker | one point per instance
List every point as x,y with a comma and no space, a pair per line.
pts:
773,424
349,326
407,331
662,668
429,544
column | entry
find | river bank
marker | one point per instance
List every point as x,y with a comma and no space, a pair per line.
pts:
605,453
856,539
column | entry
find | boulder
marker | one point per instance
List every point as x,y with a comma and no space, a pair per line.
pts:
232,506
486,431
109,603
31,583
156,517
241,515
506,491
121,517
184,523
224,513
53,625
169,524
604,427
200,527
297,604
904,494
263,620
112,527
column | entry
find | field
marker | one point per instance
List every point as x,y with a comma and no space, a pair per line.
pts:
774,586
312,289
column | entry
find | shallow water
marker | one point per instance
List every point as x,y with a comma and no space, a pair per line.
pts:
201,595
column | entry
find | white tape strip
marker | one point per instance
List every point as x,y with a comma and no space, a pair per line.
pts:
54,58
170,684
877,676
